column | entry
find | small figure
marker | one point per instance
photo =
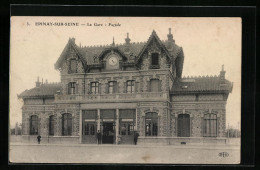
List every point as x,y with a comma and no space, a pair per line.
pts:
39,139
136,134
99,137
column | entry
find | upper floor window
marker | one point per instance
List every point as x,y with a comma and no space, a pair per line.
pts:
94,87
112,87
155,60
155,85
72,88
73,66
130,86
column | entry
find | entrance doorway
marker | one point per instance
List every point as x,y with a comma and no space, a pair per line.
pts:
108,133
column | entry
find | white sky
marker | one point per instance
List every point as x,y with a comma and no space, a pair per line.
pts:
207,43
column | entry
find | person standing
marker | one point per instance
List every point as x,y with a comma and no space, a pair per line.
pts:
39,139
99,137
136,134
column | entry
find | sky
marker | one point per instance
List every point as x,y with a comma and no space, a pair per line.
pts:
208,43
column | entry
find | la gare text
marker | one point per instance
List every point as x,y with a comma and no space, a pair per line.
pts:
76,24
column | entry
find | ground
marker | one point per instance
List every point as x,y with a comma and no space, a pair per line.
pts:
83,153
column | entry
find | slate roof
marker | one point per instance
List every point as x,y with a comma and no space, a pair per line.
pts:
44,90
201,84
90,52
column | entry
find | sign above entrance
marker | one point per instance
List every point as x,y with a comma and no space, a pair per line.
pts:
126,120
108,120
90,120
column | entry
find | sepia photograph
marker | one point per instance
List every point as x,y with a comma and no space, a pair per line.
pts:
125,90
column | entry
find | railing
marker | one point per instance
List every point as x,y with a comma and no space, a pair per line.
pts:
110,97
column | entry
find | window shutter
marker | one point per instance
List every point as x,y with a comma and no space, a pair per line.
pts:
148,86
99,88
89,88
124,90
107,88
115,87
160,86
77,89
67,89
136,86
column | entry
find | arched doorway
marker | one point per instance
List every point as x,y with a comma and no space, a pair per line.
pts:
183,125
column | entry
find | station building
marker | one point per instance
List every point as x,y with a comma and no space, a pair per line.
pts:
121,88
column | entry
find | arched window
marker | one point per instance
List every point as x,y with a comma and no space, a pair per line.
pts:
66,124
34,125
210,125
51,125
183,125
151,124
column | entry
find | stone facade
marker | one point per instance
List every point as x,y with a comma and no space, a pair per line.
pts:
164,115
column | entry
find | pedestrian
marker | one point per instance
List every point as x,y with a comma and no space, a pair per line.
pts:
39,139
99,137
136,134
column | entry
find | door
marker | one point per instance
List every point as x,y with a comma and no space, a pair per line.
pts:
108,133
184,125
89,132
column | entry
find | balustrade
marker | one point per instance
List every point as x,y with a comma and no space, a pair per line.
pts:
115,96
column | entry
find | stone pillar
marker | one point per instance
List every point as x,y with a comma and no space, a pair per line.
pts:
117,125
80,126
98,120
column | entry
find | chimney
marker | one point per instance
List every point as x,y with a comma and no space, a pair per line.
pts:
170,40
127,40
127,43
170,36
37,83
222,75
73,40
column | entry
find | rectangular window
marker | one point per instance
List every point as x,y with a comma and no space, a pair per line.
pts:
155,60
89,129
130,86
73,65
112,87
72,88
155,85
94,87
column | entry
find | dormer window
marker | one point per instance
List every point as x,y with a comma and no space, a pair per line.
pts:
73,66
154,60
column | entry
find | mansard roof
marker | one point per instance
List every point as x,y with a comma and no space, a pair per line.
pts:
44,90
206,84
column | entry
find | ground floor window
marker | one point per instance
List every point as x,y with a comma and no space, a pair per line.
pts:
151,124
66,124
34,125
184,125
89,128
126,128
210,125
51,125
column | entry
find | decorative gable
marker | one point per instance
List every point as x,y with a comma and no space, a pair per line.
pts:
71,60
154,54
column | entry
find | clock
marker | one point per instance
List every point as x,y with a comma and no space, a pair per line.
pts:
113,60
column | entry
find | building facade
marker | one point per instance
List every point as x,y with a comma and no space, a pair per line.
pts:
118,89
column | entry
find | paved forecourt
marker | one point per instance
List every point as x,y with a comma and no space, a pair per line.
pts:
177,154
